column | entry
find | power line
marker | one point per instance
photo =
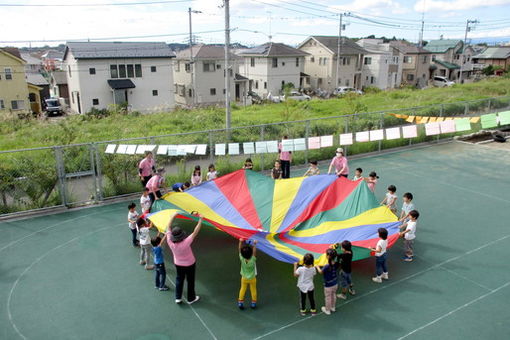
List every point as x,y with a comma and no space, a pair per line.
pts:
98,4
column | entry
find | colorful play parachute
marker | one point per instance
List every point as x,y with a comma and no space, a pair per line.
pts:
288,217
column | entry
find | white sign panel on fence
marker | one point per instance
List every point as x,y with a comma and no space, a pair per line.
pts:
447,126
131,149
190,148
110,148
299,144
140,149
172,150
201,149
233,148
393,133
326,141
287,145
432,129
260,147
272,146
181,150
376,135
409,131
346,139
248,148
122,149
314,143
362,136
219,149
162,150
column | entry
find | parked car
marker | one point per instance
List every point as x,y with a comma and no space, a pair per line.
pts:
442,81
254,97
344,90
53,106
295,95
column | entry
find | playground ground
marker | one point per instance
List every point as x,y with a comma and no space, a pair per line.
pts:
74,275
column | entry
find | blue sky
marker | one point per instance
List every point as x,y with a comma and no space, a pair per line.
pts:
288,21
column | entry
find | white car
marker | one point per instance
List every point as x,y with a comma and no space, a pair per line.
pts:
442,82
297,96
344,89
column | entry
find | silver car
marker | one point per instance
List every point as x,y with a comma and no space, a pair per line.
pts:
345,89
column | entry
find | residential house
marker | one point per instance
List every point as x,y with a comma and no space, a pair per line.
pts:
138,74
33,64
206,75
52,60
58,85
269,67
415,63
382,64
495,55
321,62
13,85
449,57
38,80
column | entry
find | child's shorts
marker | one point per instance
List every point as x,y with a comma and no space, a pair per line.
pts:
345,279
408,245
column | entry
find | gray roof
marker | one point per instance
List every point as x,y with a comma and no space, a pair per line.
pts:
36,79
60,77
348,46
203,51
121,84
494,52
443,45
52,54
272,49
108,50
408,48
30,59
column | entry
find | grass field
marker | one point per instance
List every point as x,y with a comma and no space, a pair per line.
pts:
74,275
17,134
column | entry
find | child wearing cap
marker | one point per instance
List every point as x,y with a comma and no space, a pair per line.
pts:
184,260
339,162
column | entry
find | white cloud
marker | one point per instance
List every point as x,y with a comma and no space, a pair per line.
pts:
456,5
374,7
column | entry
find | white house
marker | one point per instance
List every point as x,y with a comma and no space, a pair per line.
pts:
272,65
138,74
321,62
206,75
382,64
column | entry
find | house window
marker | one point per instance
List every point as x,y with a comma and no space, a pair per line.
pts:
283,63
122,71
95,101
312,59
324,60
92,70
69,71
346,60
177,66
256,84
372,80
252,62
408,60
187,67
434,57
2,105
265,85
224,92
209,66
368,60
190,93
319,82
297,62
8,73
72,97
130,71
212,92
275,62
154,92
181,90
153,68
138,70
424,59
218,67
283,84
410,77
17,104
114,73
175,88
347,82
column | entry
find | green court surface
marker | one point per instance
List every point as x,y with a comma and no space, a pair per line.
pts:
74,275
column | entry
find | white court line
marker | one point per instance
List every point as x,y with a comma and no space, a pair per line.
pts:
392,283
466,278
196,314
456,310
50,227
27,269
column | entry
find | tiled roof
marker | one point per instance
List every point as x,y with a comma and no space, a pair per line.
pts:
13,51
348,47
203,51
60,77
30,59
441,45
273,50
495,52
36,79
408,48
108,50
446,64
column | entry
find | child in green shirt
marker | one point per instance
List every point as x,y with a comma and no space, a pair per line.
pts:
248,272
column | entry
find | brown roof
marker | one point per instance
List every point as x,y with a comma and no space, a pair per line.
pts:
12,50
203,51
272,49
408,48
331,42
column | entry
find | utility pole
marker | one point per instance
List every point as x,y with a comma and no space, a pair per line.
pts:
338,50
468,29
420,43
191,62
227,66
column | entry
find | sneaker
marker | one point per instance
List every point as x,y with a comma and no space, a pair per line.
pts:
156,287
178,301
341,296
149,267
325,310
377,279
385,276
196,299
333,309
313,311
142,262
240,305
352,291
303,312
408,259
253,305
163,289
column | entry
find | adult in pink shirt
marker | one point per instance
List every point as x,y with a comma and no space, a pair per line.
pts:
154,185
146,168
184,260
339,162
285,157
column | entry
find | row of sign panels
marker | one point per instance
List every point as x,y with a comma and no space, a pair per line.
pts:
298,144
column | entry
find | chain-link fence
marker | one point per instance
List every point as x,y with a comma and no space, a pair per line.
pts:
77,174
